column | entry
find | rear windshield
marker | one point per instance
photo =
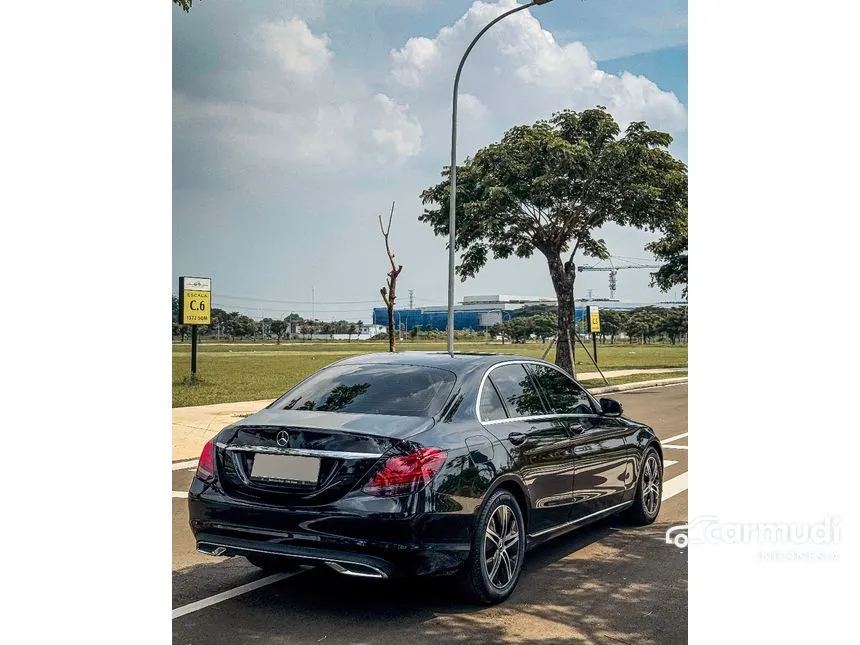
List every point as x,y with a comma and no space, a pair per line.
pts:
406,390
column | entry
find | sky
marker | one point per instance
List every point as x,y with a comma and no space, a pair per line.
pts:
297,123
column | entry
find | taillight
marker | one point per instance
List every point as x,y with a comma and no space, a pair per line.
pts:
407,473
206,465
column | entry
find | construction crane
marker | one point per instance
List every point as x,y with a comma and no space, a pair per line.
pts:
614,269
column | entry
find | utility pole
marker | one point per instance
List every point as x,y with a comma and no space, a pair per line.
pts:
313,306
452,194
411,296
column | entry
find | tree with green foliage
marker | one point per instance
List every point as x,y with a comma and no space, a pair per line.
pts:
309,327
643,323
499,330
217,319
535,310
612,323
185,5
278,328
674,323
264,327
672,249
519,330
544,325
239,326
550,187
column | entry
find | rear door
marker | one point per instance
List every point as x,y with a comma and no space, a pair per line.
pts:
600,458
511,408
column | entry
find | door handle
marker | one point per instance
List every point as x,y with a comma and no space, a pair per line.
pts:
516,438
581,449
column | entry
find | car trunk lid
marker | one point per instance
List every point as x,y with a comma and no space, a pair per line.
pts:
307,458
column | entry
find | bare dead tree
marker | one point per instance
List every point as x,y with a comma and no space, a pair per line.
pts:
389,294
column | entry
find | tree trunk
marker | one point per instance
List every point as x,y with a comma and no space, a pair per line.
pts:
390,327
562,281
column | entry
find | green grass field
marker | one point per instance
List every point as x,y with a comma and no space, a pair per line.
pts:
253,371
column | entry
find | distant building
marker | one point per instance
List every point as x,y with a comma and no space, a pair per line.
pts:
482,312
373,330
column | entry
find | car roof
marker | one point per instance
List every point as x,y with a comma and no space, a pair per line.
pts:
460,361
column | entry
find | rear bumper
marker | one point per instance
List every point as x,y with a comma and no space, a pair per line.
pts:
373,544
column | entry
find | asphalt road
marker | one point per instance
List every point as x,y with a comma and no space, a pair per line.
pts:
608,583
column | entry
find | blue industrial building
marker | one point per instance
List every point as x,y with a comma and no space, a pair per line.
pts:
481,312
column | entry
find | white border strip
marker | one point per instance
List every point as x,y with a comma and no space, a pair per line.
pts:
180,494
675,438
678,447
232,593
674,486
182,465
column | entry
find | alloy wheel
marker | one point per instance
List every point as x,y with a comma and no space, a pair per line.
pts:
651,485
501,547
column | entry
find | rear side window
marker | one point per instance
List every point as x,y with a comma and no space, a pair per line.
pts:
491,407
563,394
392,389
517,390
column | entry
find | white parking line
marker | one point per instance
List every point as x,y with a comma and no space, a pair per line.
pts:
671,488
232,593
675,438
674,486
180,494
182,465
678,447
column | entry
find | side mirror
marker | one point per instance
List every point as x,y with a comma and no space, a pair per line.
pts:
610,407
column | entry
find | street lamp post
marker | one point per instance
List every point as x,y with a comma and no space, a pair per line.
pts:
452,218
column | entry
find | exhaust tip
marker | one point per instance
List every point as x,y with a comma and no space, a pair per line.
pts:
355,569
211,549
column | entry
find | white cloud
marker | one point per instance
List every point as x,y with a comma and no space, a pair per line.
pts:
414,60
399,132
523,73
293,109
471,106
295,47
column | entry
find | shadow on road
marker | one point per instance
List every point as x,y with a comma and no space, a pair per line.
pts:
605,584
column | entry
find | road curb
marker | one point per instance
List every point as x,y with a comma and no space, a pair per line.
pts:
637,386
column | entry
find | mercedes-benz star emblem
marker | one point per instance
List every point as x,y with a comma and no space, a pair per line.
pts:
283,438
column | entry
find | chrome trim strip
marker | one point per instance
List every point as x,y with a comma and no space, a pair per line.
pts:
302,452
605,511
541,417
328,561
537,417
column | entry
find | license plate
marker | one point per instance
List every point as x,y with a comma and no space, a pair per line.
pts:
303,470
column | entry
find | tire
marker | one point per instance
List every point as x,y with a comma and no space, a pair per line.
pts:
649,490
272,564
490,575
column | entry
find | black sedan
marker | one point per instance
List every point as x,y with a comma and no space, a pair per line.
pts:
421,463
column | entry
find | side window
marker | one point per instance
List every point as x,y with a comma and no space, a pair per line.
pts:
517,390
491,405
563,394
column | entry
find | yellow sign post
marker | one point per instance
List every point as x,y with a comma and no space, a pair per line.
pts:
195,303
593,318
